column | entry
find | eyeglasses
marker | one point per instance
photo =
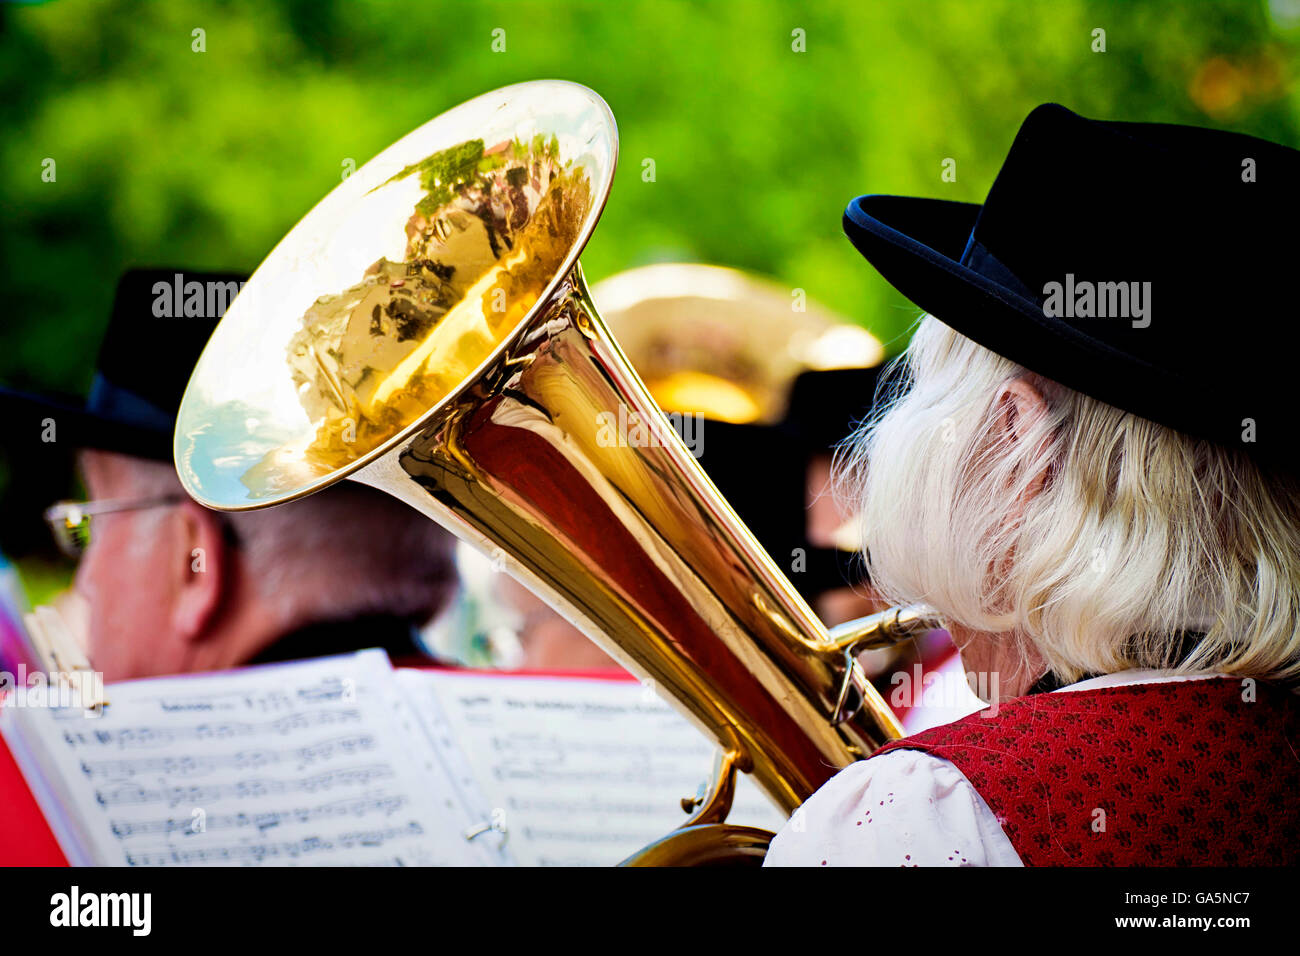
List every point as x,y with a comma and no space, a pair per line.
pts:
70,520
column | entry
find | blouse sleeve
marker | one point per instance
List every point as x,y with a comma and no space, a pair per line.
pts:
903,808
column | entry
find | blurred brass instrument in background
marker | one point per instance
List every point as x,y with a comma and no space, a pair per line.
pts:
718,342
426,330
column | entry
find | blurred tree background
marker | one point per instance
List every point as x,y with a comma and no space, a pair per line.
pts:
167,156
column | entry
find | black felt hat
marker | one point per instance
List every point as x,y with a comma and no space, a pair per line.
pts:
161,320
1149,266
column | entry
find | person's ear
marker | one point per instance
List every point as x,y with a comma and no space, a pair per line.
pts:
1021,407
203,571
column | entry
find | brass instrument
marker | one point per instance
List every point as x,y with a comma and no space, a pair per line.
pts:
426,330
722,343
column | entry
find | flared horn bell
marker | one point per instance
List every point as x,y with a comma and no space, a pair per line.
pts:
426,330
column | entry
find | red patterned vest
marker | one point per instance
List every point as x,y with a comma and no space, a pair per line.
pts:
1188,773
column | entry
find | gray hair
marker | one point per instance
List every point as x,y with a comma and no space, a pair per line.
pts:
344,552
1145,548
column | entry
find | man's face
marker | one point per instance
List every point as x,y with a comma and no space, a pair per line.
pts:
825,523
129,572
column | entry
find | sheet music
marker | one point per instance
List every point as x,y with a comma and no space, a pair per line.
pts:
313,763
580,772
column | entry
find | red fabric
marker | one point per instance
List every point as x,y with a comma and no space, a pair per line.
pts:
612,672
25,837
1187,773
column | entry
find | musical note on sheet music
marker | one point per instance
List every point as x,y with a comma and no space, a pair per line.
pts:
343,760
582,777
318,762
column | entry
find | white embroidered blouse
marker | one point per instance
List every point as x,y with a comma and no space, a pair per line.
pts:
908,808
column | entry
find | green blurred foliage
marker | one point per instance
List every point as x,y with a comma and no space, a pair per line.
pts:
167,156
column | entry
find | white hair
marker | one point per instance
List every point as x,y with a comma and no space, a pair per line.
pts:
1143,548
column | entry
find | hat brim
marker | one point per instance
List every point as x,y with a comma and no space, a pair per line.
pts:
75,427
917,245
